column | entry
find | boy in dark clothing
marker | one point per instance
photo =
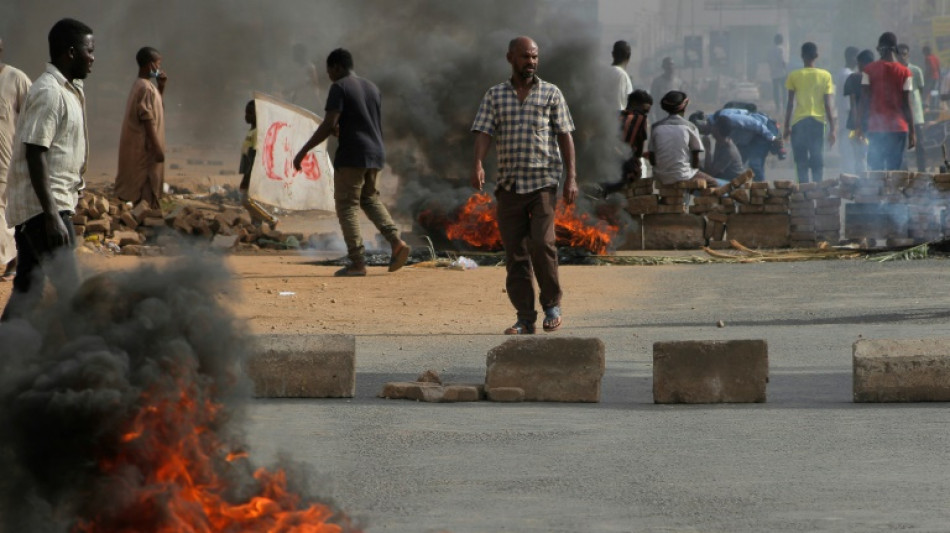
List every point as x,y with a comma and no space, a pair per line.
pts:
634,126
248,153
852,91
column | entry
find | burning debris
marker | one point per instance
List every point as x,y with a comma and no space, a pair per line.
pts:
121,406
474,226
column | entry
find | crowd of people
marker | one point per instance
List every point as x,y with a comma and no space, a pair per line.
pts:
874,110
43,140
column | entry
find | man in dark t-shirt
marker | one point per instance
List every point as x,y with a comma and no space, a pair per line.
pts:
852,92
353,107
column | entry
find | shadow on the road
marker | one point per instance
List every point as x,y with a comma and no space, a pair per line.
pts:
908,315
786,390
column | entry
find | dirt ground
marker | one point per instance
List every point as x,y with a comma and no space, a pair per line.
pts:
290,294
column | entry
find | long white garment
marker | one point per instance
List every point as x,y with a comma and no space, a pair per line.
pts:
14,85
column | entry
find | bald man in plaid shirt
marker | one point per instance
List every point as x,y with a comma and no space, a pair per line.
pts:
532,125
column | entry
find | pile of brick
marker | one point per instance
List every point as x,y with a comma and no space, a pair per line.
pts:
896,208
135,230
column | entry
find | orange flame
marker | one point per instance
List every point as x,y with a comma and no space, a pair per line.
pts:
477,225
183,464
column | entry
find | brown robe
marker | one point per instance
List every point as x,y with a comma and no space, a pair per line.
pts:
139,177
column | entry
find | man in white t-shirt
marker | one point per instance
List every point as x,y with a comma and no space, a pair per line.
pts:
14,85
621,86
675,144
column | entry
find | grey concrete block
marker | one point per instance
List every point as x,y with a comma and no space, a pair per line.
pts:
303,366
911,370
421,391
553,369
673,232
735,371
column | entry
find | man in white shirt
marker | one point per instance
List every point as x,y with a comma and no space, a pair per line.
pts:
14,85
621,86
49,159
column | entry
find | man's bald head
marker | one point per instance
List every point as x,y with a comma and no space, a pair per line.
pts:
523,57
521,43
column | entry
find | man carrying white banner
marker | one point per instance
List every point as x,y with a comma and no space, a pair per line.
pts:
267,156
353,106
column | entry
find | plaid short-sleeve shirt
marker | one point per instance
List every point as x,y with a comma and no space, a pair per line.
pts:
525,134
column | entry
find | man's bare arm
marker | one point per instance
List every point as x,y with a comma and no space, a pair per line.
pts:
482,144
56,230
830,113
789,104
326,128
565,142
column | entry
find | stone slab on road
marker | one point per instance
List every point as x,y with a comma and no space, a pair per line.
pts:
902,370
553,369
303,366
733,371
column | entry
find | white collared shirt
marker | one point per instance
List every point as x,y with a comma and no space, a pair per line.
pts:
53,116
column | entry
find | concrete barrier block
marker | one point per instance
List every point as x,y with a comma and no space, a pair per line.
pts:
735,371
303,366
461,392
553,369
911,370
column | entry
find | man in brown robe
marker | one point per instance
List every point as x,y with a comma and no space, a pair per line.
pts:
141,173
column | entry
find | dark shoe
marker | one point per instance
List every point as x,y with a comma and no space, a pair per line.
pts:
521,327
552,318
351,272
399,257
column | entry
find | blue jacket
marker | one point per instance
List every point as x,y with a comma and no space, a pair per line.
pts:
746,126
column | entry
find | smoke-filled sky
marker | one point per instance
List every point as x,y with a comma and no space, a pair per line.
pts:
432,59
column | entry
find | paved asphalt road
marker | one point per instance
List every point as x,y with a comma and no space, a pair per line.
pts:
808,460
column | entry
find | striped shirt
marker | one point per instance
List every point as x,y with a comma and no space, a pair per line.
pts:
525,134
53,116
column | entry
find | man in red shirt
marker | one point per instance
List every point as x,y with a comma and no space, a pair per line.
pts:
931,76
886,87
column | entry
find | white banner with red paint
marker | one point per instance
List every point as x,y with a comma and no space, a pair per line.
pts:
282,129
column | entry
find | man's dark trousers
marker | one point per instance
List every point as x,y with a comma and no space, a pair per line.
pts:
526,224
34,254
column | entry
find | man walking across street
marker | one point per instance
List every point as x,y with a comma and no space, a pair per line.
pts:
354,106
531,125
141,170
46,173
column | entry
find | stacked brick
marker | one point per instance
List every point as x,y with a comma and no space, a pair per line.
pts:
895,208
130,229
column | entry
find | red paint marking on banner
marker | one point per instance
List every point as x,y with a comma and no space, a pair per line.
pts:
277,147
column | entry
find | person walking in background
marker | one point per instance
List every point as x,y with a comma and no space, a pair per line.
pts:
46,173
916,104
931,78
531,124
354,108
842,110
778,68
141,172
886,101
852,91
621,86
663,84
810,90
14,85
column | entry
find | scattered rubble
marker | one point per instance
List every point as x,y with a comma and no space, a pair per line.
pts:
106,223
